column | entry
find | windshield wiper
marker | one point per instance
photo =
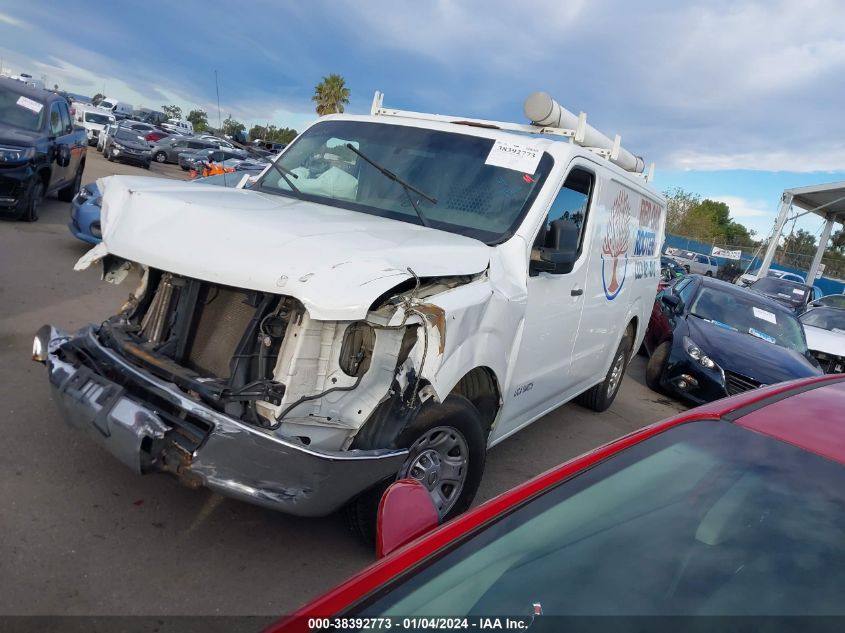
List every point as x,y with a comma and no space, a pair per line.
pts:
408,188
285,172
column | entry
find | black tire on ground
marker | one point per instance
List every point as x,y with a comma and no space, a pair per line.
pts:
453,423
66,194
33,201
107,154
160,157
601,396
709,273
657,365
146,165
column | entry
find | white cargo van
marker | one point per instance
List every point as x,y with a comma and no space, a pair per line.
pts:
179,125
397,293
119,108
93,119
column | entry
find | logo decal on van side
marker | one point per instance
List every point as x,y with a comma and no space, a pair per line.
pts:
615,244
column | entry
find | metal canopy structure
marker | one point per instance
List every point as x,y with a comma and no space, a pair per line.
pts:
827,201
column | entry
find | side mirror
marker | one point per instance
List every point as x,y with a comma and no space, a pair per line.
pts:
673,301
560,257
405,512
63,156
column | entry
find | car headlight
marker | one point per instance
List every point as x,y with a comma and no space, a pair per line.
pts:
118,146
695,353
16,154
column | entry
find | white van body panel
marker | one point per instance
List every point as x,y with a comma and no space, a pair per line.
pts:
545,338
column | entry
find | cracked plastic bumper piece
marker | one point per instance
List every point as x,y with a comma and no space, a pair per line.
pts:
138,418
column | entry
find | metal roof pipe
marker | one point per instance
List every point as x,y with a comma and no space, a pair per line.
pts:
544,111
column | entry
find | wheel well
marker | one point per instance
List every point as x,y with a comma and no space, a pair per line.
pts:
632,329
480,387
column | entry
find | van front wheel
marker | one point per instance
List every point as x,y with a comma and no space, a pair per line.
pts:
602,395
446,454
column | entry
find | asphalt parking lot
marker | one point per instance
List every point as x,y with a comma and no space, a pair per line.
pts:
82,535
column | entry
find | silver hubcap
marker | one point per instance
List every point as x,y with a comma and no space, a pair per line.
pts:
616,375
438,460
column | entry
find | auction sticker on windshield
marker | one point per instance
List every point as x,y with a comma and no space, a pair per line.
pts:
29,104
765,315
516,156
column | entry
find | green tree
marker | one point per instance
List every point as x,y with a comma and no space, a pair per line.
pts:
231,126
97,98
172,111
199,119
678,204
272,134
331,95
798,247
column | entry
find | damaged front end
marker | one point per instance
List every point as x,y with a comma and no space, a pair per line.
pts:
242,391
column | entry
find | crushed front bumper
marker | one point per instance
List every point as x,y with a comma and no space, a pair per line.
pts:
152,426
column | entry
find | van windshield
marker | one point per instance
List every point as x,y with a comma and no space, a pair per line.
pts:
473,197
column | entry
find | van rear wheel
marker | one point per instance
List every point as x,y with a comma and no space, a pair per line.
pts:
601,396
446,454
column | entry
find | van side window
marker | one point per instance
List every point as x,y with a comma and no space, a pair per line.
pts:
56,127
571,203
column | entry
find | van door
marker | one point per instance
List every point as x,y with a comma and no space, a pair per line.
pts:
541,378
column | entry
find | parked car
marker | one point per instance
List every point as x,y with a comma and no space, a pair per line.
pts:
129,147
85,214
792,294
191,160
41,151
220,142
824,328
140,127
85,208
697,263
708,339
670,270
732,509
370,322
93,119
749,278
832,301
120,109
178,125
154,137
108,131
168,149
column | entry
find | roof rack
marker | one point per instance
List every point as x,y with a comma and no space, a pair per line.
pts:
551,123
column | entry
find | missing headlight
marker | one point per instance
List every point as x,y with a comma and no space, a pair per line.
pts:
357,349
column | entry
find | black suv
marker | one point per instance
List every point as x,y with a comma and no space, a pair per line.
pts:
41,151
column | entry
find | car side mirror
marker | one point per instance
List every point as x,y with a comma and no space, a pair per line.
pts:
673,301
560,257
63,156
406,511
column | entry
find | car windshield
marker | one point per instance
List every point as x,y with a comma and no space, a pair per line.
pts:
707,518
836,301
473,197
20,111
742,313
128,136
825,318
100,119
783,290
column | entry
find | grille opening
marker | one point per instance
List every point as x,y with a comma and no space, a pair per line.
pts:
737,383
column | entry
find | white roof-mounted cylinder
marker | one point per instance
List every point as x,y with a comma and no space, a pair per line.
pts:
544,111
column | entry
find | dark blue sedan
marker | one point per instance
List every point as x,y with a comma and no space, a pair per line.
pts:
708,339
85,207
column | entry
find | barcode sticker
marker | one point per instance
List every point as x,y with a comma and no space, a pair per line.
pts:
765,315
29,104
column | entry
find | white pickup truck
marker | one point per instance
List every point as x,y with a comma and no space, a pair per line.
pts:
394,295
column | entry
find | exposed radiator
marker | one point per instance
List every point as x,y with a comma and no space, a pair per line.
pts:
222,320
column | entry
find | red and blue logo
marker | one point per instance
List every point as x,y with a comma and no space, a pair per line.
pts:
614,246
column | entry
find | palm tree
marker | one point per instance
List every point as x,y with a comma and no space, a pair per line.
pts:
331,95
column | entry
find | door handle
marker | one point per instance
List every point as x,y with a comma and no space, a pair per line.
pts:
576,292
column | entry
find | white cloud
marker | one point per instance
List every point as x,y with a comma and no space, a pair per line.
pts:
792,158
742,208
5,18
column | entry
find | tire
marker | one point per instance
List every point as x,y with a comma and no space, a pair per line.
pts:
67,194
33,201
601,396
709,273
160,157
146,165
450,429
656,366
108,155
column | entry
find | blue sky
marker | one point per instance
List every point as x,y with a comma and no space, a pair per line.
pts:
732,100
